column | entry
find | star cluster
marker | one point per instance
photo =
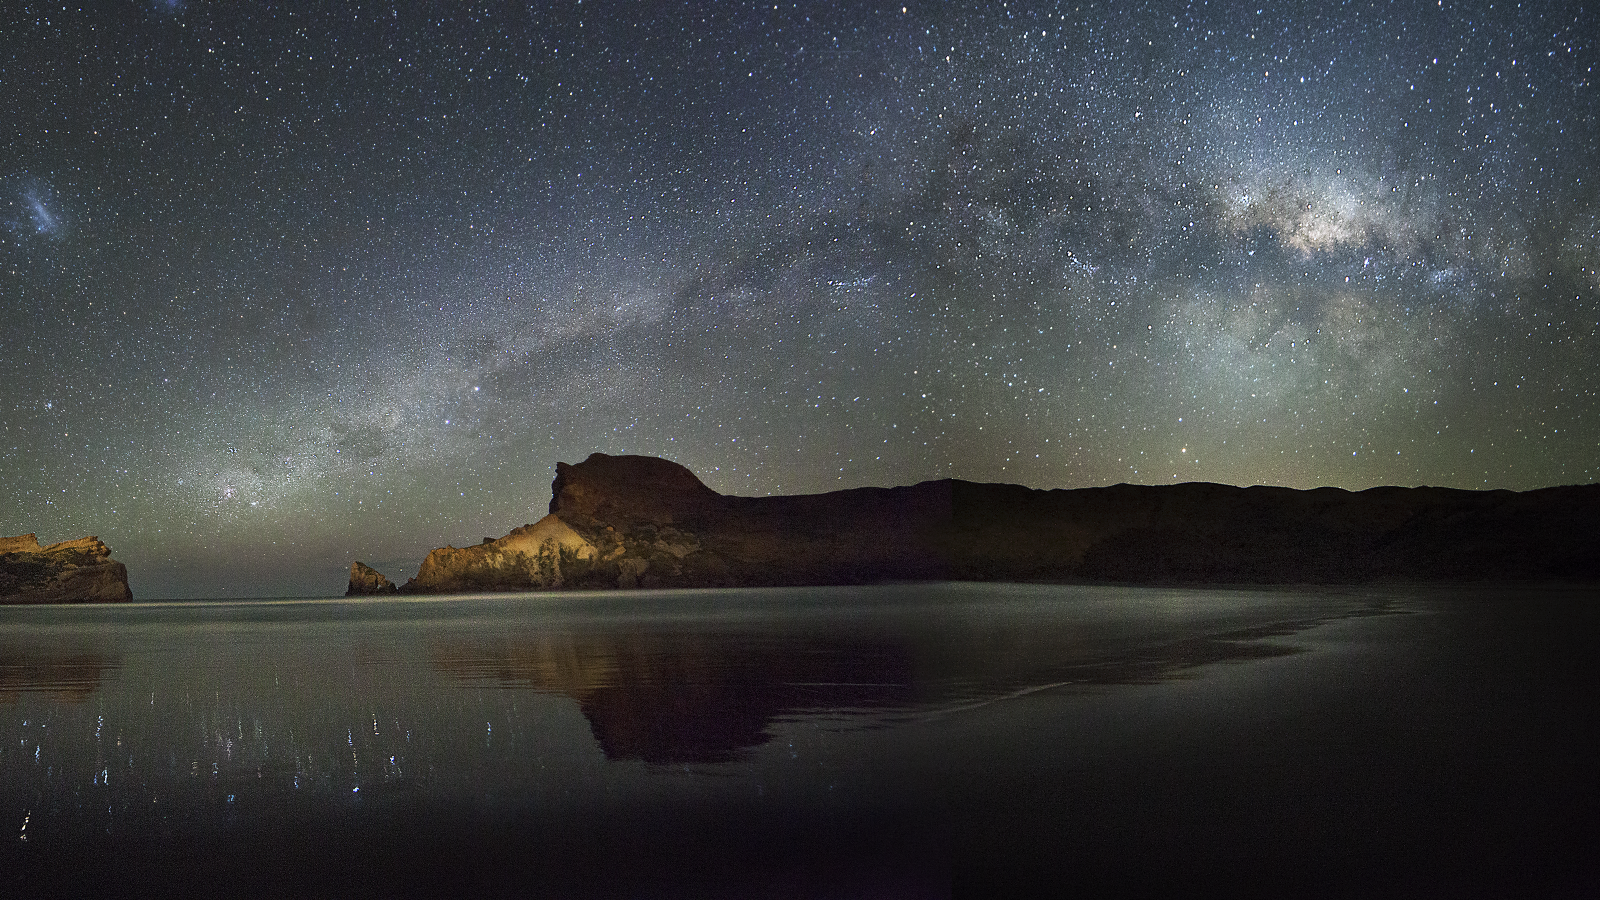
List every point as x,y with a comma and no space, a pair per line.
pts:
284,286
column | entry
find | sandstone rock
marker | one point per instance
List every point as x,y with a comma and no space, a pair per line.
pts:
533,557
365,580
79,571
630,570
22,543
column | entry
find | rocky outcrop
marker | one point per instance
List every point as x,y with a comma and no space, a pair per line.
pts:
631,521
367,581
534,557
80,571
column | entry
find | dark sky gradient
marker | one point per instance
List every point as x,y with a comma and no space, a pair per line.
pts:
284,286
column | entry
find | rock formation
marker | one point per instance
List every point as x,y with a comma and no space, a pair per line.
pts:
533,557
365,580
80,571
631,521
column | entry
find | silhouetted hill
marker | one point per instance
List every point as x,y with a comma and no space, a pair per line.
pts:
627,521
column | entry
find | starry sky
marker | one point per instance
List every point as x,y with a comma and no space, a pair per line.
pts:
286,285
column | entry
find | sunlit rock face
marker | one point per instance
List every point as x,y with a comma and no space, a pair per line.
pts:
639,522
80,571
366,581
539,556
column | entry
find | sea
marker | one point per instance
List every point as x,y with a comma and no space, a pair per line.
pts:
894,741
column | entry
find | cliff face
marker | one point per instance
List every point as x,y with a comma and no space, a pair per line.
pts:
630,491
80,571
630,521
533,557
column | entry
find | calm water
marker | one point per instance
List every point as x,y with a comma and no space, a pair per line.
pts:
904,741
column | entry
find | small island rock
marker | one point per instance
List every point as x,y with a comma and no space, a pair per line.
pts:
366,581
80,571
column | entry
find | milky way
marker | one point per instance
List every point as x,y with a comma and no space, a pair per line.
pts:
284,287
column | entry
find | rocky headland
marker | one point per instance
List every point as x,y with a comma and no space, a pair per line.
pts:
633,521
80,571
364,579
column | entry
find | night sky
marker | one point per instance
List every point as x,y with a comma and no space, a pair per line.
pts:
286,285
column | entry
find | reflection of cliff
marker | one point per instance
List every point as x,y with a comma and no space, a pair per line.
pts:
676,697
66,675
679,695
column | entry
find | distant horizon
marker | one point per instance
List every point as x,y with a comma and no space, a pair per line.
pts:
399,570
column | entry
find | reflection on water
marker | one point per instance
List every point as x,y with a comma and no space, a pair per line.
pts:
680,696
69,676
674,696
819,739
176,714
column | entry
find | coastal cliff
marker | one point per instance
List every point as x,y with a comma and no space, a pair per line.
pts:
631,521
80,571
533,557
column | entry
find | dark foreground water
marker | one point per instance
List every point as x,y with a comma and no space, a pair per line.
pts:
905,741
